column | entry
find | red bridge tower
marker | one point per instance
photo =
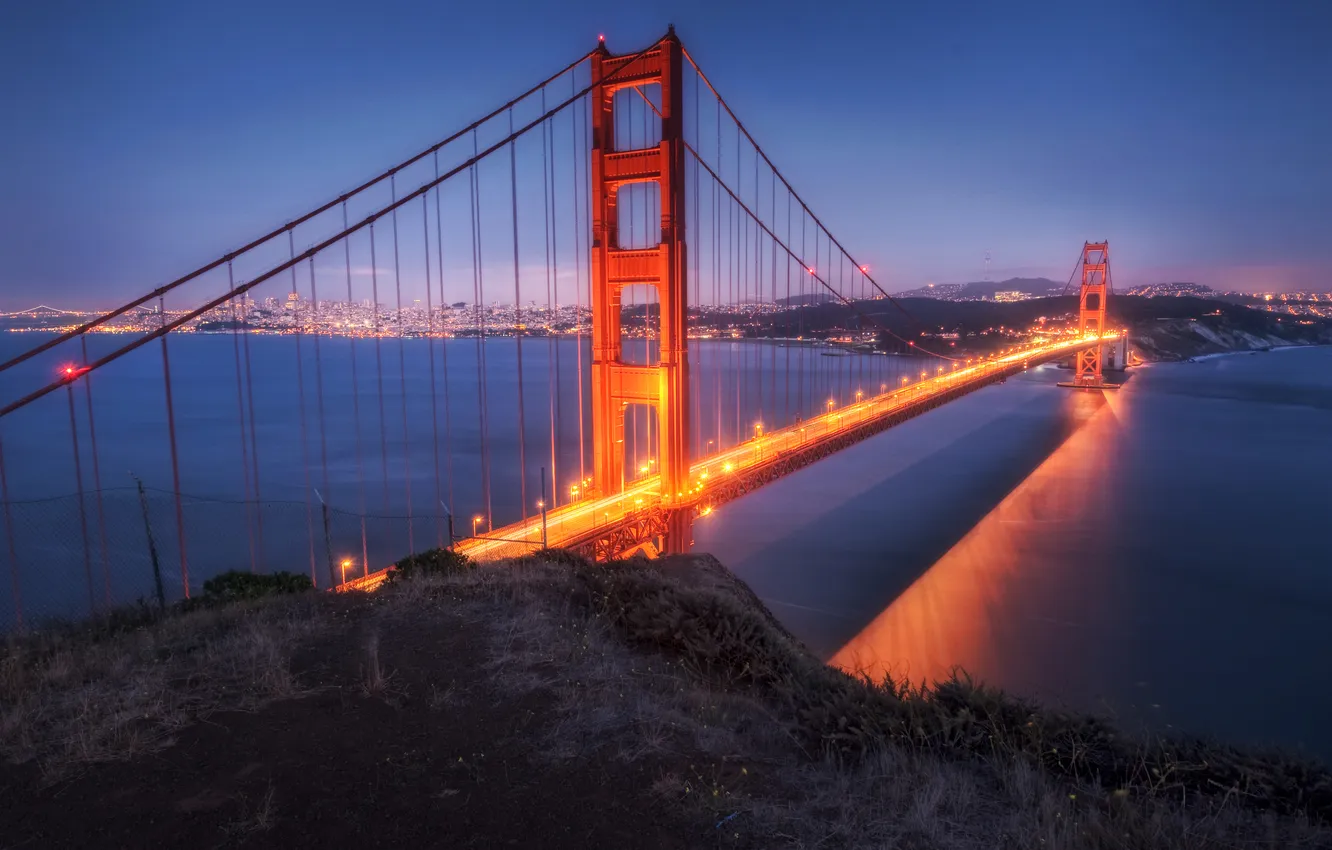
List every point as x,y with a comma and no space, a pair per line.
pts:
616,384
1091,312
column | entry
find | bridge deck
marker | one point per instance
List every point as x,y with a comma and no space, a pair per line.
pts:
725,475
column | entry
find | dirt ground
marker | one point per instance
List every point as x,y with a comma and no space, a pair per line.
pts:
439,758
513,708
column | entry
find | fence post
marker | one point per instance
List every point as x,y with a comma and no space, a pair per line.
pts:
448,515
152,546
543,507
328,541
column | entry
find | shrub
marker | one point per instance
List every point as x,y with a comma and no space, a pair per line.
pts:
432,562
235,585
561,557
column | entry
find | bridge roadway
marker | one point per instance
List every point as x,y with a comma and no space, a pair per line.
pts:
728,474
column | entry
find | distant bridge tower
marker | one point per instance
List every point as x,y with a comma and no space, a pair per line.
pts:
1091,311
616,384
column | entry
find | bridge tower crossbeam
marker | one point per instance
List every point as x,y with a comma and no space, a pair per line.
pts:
1092,312
615,383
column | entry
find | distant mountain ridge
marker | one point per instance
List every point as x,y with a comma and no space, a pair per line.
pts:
1035,287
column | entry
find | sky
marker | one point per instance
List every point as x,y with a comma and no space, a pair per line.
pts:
145,138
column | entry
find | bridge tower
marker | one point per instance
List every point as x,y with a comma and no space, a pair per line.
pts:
1091,311
616,384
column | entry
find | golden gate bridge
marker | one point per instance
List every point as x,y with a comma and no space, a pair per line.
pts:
624,184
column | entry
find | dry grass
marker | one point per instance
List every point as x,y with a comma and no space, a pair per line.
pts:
69,700
691,678
255,815
641,672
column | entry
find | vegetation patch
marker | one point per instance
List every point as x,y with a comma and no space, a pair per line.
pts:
664,687
734,643
236,585
432,562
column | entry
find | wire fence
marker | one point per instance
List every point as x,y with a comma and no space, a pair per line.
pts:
71,557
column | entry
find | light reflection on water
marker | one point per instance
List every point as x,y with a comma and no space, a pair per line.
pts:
959,613
1158,553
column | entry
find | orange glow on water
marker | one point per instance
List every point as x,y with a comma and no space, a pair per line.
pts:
954,614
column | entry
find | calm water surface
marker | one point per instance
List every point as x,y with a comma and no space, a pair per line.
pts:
1159,552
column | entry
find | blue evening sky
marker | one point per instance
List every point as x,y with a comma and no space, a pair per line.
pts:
141,138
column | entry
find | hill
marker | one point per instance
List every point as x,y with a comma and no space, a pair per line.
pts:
549,702
978,324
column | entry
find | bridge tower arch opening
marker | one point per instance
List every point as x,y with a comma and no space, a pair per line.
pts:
1088,366
615,265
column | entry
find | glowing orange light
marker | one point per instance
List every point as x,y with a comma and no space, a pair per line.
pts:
865,269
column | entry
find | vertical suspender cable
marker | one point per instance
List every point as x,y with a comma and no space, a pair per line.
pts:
716,280
518,318
356,403
579,143
444,343
547,208
772,270
254,447
250,508
430,350
300,402
97,477
799,319
741,287
786,331
757,297
379,365
83,508
695,394
478,281
402,374
175,458
319,409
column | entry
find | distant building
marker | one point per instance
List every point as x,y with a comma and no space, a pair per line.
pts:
1011,295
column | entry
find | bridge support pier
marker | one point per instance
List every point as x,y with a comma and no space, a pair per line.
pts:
679,536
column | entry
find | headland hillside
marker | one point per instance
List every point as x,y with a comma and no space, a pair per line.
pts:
555,703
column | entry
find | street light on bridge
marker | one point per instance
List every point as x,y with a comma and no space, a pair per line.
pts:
476,520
